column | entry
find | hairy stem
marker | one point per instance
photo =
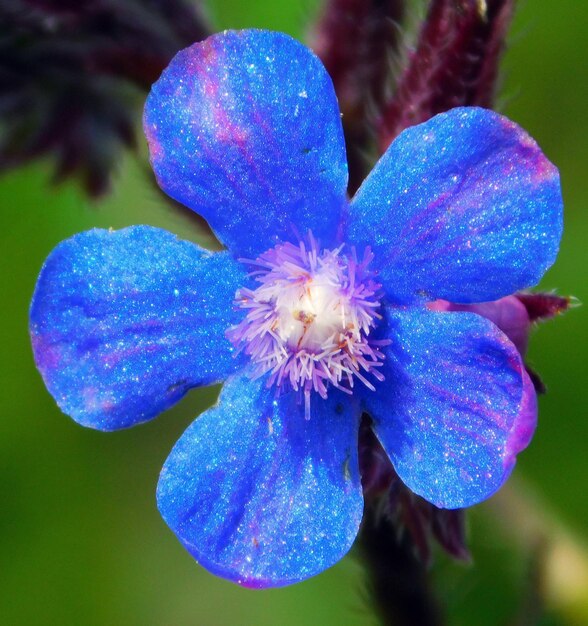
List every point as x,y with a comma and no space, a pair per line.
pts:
397,580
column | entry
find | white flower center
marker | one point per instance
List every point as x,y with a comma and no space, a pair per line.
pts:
309,320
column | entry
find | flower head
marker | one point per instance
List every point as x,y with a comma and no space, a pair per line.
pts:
316,312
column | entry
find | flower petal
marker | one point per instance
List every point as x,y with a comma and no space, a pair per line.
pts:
464,207
244,129
124,323
259,495
456,407
509,314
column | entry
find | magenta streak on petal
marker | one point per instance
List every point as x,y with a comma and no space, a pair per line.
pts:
544,170
540,165
454,400
49,359
226,130
524,425
414,237
155,146
264,129
407,233
117,356
46,351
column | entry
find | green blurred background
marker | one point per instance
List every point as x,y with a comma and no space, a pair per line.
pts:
81,540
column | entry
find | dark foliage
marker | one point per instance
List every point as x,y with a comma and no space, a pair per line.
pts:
73,76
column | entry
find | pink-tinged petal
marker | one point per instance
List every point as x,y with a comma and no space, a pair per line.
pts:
509,314
464,207
260,495
244,129
456,406
124,322
524,426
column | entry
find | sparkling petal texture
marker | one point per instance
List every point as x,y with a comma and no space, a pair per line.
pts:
124,322
464,207
452,413
244,128
260,495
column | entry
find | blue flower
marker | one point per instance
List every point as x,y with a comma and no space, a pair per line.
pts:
326,317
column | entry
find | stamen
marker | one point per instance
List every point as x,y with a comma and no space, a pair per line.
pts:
308,322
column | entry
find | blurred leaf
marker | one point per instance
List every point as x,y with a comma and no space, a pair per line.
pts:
73,75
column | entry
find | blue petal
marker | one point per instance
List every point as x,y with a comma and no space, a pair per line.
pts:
464,207
124,323
259,495
244,128
455,408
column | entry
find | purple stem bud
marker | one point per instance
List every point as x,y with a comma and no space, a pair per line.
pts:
356,40
455,63
541,306
377,473
415,516
449,529
415,520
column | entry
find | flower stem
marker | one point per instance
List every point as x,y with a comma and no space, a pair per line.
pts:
397,580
